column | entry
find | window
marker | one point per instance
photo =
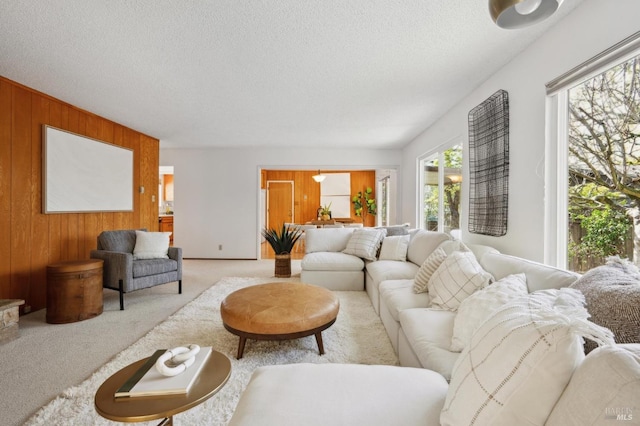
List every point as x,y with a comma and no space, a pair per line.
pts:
384,199
440,183
594,173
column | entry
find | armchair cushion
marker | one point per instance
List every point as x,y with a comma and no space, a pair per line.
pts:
122,241
146,267
151,245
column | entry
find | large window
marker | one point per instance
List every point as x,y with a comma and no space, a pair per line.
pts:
597,173
440,182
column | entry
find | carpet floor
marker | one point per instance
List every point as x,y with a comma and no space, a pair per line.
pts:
356,337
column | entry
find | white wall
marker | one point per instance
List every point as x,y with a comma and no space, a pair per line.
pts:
216,191
591,28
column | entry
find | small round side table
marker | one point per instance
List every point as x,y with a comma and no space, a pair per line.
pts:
74,290
212,378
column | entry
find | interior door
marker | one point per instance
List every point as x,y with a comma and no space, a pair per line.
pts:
279,203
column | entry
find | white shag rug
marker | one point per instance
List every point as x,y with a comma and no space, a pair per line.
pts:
357,337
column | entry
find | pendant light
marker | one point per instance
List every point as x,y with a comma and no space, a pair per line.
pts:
512,14
319,177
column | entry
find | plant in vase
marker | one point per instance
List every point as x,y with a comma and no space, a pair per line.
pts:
282,242
325,212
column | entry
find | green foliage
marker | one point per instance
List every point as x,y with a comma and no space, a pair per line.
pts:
605,230
364,199
325,209
282,242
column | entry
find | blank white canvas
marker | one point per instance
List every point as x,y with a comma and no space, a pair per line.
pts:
340,205
336,184
85,175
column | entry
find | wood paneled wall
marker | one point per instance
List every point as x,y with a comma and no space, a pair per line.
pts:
29,239
307,191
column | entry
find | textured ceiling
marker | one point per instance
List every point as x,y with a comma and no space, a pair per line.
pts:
357,73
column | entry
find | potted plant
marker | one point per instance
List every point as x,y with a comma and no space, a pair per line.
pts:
282,244
325,212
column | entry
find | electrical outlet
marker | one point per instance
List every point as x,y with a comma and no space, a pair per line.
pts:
219,246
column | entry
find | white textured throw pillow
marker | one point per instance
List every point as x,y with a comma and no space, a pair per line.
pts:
365,243
394,248
431,263
457,278
520,361
151,245
477,308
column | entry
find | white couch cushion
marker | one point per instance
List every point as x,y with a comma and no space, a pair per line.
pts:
383,270
422,243
331,261
459,276
527,351
394,248
340,394
429,333
604,389
426,270
365,242
478,307
398,295
331,239
539,276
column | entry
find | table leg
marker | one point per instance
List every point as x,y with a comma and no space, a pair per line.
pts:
243,340
319,341
166,422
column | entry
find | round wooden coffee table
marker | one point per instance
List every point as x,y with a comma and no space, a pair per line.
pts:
212,378
279,311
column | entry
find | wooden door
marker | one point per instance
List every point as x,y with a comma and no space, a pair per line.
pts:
279,203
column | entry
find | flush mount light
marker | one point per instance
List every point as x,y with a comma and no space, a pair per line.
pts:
319,177
511,14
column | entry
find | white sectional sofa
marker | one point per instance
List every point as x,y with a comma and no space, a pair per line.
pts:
415,392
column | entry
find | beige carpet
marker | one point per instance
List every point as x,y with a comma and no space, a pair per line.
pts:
356,337
48,358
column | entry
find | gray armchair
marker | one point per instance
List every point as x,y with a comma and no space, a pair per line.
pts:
124,274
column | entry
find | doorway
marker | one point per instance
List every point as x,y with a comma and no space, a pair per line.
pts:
279,203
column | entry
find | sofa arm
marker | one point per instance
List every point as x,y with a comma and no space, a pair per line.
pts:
117,266
175,253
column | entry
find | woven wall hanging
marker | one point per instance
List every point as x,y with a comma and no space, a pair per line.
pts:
489,165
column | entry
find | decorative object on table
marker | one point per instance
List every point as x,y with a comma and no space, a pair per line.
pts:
364,199
178,359
282,244
489,166
325,212
150,381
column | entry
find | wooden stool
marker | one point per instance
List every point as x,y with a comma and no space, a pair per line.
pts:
74,291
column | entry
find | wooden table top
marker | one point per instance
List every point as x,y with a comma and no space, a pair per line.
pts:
211,379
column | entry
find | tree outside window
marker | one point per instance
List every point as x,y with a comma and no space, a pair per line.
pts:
604,167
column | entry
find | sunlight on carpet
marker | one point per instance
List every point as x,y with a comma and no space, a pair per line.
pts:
357,337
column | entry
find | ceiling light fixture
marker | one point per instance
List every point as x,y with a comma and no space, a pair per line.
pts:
319,177
511,14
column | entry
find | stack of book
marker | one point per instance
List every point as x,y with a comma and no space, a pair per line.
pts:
147,380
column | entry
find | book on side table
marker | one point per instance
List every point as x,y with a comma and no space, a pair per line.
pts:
147,380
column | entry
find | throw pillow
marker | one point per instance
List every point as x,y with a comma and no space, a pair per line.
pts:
151,245
526,351
394,248
421,280
365,243
457,278
477,308
612,292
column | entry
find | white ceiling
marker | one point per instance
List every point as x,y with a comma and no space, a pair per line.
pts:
238,73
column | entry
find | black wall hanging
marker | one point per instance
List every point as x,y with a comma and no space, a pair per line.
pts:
489,165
